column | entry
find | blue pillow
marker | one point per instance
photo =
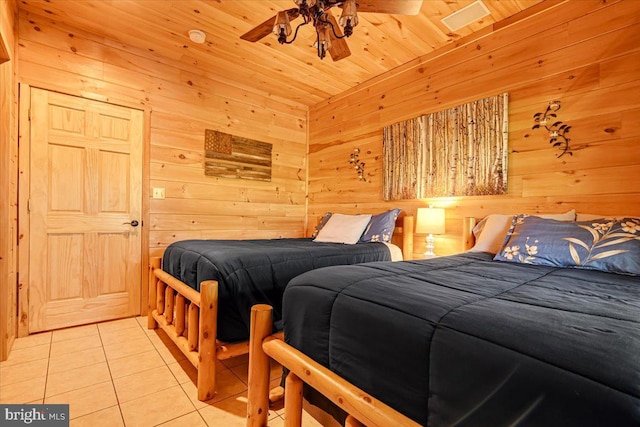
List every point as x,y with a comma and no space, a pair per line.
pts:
602,244
380,228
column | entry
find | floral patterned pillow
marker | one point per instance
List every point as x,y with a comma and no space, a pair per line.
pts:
381,226
601,244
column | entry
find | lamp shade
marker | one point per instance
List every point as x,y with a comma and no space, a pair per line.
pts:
349,14
430,221
282,23
324,37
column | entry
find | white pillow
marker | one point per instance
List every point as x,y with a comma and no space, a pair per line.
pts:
343,229
491,231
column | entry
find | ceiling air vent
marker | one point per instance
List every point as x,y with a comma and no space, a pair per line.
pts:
466,15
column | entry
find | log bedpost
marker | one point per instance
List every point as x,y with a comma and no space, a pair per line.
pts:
293,401
259,367
352,422
407,238
207,340
468,239
153,288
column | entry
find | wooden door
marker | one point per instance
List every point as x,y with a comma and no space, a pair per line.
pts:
85,202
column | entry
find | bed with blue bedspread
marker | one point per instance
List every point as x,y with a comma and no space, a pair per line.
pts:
249,272
469,341
201,291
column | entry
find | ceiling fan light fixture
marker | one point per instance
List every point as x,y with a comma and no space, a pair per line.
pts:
323,43
349,18
330,32
302,3
282,26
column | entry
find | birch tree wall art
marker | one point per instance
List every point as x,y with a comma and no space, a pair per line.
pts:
461,151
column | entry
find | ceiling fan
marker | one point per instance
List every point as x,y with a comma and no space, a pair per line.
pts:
330,33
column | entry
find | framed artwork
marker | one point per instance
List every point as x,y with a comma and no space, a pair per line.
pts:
230,156
461,151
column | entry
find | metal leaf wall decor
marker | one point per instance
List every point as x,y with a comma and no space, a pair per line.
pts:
358,164
557,129
461,151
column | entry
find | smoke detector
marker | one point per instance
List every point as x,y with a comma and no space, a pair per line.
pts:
197,36
466,15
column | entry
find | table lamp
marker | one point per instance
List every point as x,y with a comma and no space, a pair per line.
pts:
430,221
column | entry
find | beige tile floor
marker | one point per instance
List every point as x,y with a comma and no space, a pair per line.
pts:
121,374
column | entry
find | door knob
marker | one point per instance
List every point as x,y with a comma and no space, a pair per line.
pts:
133,223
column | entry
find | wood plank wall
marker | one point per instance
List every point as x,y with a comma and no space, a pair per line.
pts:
581,52
180,101
8,176
584,53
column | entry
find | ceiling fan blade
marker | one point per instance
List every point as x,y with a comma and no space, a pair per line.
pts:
339,48
264,29
259,31
396,7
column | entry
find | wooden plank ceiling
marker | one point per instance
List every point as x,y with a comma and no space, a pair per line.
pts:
380,42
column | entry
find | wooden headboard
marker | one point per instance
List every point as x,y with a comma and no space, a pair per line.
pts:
468,239
403,236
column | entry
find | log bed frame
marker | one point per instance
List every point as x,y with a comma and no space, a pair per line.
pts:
189,317
362,409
